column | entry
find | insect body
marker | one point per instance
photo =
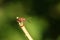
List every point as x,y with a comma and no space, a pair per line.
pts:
20,19
21,24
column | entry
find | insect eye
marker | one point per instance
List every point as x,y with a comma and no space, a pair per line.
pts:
20,19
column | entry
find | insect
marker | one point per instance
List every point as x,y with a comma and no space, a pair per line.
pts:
21,24
20,19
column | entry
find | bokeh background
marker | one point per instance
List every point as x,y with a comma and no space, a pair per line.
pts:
42,19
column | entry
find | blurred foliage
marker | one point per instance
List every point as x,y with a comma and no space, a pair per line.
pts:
42,19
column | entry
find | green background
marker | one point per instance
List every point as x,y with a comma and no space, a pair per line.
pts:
42,19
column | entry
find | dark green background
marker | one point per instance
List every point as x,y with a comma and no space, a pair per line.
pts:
42,19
